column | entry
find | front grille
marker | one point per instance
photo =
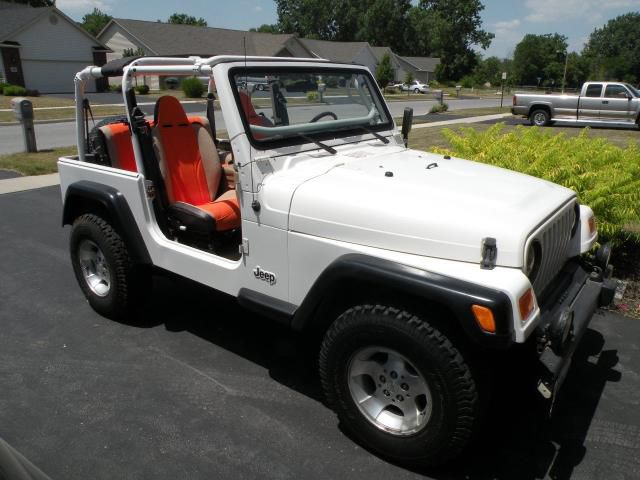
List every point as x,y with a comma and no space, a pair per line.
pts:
554,237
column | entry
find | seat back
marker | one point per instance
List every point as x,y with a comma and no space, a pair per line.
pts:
117,138
182,151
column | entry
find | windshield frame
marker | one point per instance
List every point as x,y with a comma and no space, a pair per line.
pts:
634,91
295,140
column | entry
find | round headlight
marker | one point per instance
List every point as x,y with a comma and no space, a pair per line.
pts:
532,260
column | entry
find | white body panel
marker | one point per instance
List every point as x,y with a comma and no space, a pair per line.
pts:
317,207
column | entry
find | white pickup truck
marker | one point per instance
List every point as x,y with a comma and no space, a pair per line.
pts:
411,269
599,103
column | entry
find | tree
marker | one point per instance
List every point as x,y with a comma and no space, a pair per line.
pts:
540,57
95,21
130,52
184,19
266,28
449,29
384,70
613,51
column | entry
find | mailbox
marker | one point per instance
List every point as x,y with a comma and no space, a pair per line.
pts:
23,111
22,108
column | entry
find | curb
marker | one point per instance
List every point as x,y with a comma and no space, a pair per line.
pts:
20,184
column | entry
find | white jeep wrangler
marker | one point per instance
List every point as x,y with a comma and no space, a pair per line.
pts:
315,213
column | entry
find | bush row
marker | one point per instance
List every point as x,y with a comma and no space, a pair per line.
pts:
605,176
9,90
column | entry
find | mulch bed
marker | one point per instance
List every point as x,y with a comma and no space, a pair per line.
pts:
626,262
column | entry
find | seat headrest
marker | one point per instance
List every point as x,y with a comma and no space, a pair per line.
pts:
169,112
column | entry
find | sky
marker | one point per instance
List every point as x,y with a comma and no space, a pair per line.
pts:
509,20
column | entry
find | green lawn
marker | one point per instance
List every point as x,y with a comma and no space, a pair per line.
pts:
39,163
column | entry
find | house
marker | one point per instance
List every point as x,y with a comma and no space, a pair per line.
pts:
422,68
359,53
167,39
42,49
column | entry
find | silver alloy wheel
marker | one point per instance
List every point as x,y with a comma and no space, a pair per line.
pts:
94,268
389,391
540,119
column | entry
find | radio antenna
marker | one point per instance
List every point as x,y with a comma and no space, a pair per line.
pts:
255,205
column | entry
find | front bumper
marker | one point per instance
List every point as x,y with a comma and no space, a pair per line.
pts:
581,293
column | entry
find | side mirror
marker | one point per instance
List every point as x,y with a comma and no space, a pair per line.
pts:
407,123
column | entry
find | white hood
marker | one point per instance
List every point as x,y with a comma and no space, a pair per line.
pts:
389,198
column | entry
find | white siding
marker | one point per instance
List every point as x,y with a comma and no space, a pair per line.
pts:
52,52
62,41
118,42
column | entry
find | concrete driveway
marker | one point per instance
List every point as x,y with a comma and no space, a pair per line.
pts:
200,388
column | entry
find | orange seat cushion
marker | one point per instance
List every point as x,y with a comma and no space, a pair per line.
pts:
121,137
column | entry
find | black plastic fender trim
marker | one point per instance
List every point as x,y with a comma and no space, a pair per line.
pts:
455,294
273,308
80,193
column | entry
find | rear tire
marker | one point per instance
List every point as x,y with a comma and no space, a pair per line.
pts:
540,118
417,90
371,361
111,284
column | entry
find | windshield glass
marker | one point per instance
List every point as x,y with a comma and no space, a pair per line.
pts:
284,106
634,91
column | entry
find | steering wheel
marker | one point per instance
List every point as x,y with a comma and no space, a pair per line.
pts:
324,114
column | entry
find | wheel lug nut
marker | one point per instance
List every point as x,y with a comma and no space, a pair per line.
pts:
394,375
383,379
400,397
404,386
386,392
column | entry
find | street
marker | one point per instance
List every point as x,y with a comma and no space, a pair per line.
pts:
200,388
52,135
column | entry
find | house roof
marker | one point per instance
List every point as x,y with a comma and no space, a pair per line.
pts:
424,64
340,52
379,52
17,17
175,39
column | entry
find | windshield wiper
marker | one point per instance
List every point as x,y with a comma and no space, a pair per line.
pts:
329,149
375,134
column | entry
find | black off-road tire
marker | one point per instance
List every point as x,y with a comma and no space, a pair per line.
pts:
540,117
455,403
130,285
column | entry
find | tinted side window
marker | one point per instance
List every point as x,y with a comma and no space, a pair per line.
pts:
615,91
594,90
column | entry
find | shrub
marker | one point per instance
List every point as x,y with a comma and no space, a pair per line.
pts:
142,89
192,87
116,88
605,177
14,91
312,96
439,108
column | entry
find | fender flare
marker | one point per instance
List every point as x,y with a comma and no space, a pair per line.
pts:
81,196
457,295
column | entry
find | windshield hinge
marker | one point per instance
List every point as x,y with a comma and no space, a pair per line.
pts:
150,189
244,247
489,253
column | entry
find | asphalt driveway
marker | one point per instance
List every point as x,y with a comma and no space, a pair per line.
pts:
202,389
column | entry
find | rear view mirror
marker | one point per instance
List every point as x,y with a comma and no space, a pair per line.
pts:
407,122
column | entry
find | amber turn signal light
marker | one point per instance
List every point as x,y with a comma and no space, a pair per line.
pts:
592,224
526,304
484,317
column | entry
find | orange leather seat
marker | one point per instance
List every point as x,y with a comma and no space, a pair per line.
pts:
192,171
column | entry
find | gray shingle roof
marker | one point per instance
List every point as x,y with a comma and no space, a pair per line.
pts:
425,64
171,39
15,17
341,52
380,51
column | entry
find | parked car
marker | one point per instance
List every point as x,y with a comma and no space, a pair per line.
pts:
416,87
599,103
253,83
407,298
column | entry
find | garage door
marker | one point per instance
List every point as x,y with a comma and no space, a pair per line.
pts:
52,76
